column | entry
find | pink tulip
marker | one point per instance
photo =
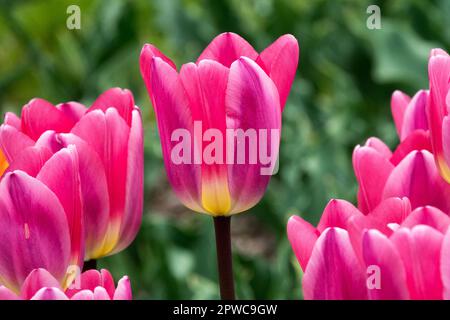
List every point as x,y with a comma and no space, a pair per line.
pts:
230,87
90,285
340,260
438,107
108,138
41,216
408,172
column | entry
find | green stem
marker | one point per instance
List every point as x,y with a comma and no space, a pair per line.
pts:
224,257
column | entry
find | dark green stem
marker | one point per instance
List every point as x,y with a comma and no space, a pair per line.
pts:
224,257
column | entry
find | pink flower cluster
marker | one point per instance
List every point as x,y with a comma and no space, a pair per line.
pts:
71,189
396,243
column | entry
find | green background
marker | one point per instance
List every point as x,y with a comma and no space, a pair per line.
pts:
340,97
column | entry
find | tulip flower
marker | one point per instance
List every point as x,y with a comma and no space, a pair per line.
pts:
219,121
408,172
109,139
41,216
438,106
410,260
90,285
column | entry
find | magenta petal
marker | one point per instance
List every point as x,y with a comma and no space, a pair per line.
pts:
173,113
392,210
72,110
415,117
12,120
438,73
252,102
94,188
145,62
30,160
101,294
420,250
40,115
226,48
417,178
429,216
418,140
123,291
83,295
61,175
37,279
120,99
302,236
35,231
445,264
13,142
49,294
280,61
100,129
6,294
333,272
336,214
372,169
399,103
379,146
205,86
132,216
380,254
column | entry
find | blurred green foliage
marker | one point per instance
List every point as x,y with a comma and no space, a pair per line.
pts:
340,97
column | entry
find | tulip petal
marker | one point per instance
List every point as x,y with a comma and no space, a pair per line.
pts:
35,231
333,272
40,115
61,175
94,187
13,142
145,62
280,61
439,73
380,254
429,216
100,129
49,294
30,160
72,110
415,117
226,48
418,140
399,103
173,115
83,295
205,86
101,294
302,236
392,210
123,291
12,120
37,279
417,178
372,170
336,214
420,250
120,99
445,264
132,217
252,105
6,294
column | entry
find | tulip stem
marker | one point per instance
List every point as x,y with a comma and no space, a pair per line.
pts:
90,265
224,257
